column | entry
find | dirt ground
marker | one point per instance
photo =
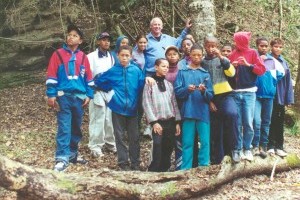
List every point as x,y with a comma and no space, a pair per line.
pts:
28,135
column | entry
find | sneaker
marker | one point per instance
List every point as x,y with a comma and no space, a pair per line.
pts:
79,160
135,168
112,148
271,151
248,155
280,153
124,167
263,152
256,151
97,154
242,155
236,156
60,166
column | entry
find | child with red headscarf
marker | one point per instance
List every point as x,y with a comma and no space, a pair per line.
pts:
248,66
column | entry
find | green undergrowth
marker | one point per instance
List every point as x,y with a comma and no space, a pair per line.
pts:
19,78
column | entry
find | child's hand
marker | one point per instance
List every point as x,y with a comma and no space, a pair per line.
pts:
157,128
178,129
263,57
212,107
86,102
188,23
242,61
150,81
51,102
192,88
202,87
217,52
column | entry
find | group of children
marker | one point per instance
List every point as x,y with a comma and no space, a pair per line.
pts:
213,103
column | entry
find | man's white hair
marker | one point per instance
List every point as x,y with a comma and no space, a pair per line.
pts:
155,19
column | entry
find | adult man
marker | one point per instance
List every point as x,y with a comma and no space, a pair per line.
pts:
158,43
100,125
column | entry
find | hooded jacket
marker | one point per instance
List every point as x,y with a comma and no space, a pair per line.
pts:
127,84
245,76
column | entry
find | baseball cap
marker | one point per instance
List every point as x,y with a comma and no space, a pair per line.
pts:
73,27
103,35
172,47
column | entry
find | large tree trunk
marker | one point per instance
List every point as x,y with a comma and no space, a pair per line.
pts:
31,183
203,18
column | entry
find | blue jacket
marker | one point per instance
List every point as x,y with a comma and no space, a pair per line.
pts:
266,83
127,84
195,104
285,92
156,49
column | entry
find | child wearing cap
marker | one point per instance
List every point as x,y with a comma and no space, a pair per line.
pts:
100,122
69,82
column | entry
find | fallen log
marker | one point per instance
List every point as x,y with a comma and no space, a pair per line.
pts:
34,183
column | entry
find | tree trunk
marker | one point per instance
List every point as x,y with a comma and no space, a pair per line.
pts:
32,183
203,18
297,85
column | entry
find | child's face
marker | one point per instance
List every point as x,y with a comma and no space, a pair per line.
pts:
186,47
73,39
172,56
196,56
210,47
124,57
263,47
162,69
142,44
276,49
124,42
226,51
104,43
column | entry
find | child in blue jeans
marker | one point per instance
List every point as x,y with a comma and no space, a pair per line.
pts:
266,90
193,87
69,82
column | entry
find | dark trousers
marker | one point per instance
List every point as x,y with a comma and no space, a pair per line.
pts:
129,125
276,127
163,146
224,127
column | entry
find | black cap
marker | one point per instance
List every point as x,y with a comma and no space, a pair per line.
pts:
103,35
72,27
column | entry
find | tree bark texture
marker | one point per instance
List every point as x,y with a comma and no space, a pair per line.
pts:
203,18
33,183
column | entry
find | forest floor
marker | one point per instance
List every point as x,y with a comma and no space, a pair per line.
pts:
28,129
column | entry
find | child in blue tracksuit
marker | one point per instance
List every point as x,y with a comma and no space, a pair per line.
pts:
127,82
284,97
193,87
69,82
266,89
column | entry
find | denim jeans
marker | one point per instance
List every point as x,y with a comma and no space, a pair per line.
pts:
262,121
245,102
69,134
189,128
125,124
224,127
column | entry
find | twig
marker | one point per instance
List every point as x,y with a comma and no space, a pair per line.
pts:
131,17
61,21
280,18
127,33
273,170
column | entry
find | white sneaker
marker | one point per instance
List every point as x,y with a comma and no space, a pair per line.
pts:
97,154
280,153
242,155
256,151
271,151
248,155
112,149
60,166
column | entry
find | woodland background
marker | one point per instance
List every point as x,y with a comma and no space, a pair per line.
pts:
30,30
